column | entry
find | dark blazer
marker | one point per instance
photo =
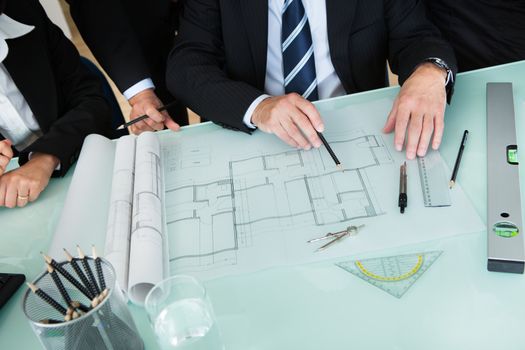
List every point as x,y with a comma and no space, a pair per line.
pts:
482,32
218,65
65,98
131,39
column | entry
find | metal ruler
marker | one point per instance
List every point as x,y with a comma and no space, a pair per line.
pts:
434,183
504,222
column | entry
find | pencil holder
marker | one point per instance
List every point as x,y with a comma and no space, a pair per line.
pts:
108,325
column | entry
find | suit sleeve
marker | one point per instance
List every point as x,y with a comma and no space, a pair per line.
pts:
83,108
107,31
196,69
413,38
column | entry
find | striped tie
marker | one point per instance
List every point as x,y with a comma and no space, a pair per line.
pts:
298,51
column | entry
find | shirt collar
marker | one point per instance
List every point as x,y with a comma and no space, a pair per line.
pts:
10,29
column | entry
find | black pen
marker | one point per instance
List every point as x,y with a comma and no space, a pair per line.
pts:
403,199
330,151
145,116
458,159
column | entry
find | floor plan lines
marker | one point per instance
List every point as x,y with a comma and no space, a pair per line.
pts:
209,222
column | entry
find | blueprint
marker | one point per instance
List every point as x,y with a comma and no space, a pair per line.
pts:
236,203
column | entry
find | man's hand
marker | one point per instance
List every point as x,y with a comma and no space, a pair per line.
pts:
418,111
146,102
6,153
23,185
292,118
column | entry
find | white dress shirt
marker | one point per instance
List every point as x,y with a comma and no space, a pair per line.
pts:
17,121
328,83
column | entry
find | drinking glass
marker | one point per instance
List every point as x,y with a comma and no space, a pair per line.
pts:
181,315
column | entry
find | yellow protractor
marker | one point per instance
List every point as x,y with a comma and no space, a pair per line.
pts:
408,274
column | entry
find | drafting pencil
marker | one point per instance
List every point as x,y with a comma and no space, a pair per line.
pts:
88,270
45,297
458,159
80,274
67,276
145,116
59,284
98,267
329,149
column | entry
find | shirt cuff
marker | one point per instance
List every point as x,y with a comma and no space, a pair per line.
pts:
138,87
247,120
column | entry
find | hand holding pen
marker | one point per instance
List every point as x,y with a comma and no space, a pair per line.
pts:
148,113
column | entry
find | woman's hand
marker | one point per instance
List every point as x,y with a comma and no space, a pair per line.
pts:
24,184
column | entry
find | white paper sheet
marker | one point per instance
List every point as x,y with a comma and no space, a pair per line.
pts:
146,267
84,217
120,210
237,203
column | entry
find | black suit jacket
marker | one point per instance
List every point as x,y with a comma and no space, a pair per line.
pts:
65,98
131,39
482,32
218,65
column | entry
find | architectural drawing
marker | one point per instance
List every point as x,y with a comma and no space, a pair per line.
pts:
284,191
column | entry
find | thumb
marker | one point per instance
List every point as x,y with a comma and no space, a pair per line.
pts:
170,124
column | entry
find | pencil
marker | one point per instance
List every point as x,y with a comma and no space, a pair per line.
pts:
45,297
98,267
458,159
330,150
80,274
88,270
59,284
67,276
145,116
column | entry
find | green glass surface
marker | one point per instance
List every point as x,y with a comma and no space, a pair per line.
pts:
455,305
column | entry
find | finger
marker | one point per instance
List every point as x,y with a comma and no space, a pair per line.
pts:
292,130
22,197
283,135
311,113
5,148
391,120
170,124
414,133
402,119
3,188
140,127
3,164
154,114
10,195
304,124
426,134
154,125
439,127
34,191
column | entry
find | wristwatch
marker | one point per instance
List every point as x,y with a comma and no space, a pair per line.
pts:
442,64
449,82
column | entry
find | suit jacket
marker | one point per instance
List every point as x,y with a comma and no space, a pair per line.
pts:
65,98
131,40
218,65
482,32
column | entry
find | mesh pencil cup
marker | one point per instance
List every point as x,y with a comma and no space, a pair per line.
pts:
108,325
